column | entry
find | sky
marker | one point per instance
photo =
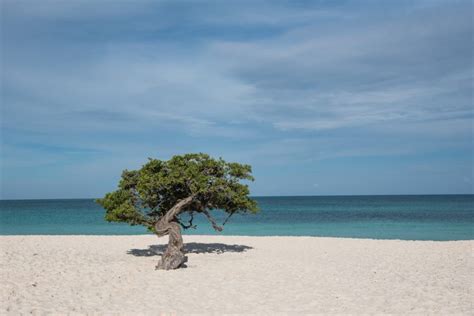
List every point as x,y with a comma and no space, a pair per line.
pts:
320,97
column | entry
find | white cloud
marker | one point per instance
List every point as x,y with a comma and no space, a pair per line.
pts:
270,84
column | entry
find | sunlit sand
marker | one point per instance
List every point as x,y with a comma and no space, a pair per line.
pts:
233,274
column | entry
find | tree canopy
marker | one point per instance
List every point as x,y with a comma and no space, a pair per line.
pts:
199,181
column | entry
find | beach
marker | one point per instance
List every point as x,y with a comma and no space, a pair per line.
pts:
235,275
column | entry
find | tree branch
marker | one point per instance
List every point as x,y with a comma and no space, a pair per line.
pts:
190,222
170,215
227,218
213,222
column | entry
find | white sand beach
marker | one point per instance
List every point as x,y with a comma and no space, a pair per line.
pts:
238,275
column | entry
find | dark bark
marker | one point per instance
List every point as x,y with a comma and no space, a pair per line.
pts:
173,257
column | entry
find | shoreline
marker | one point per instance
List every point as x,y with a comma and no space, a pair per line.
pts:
236,236
235,274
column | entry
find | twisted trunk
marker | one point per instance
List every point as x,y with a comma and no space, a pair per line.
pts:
173,257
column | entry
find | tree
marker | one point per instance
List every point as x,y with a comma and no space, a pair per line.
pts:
156,195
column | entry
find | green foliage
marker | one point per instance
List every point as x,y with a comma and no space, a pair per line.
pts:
144,196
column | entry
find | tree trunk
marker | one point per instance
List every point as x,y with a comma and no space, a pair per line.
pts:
173,257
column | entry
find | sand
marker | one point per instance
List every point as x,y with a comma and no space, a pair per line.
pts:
234,274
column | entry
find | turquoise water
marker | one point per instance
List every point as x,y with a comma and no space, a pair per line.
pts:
411,217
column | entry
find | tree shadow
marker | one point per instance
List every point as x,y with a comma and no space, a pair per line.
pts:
192,247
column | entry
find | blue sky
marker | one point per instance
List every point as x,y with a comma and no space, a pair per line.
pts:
320,97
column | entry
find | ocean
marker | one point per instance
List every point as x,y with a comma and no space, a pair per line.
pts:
406,217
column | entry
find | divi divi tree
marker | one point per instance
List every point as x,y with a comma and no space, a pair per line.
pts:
158,194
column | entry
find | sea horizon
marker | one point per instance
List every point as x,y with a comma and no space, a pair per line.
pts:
265,196
406,217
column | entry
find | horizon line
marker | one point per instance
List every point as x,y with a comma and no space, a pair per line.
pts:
265,196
